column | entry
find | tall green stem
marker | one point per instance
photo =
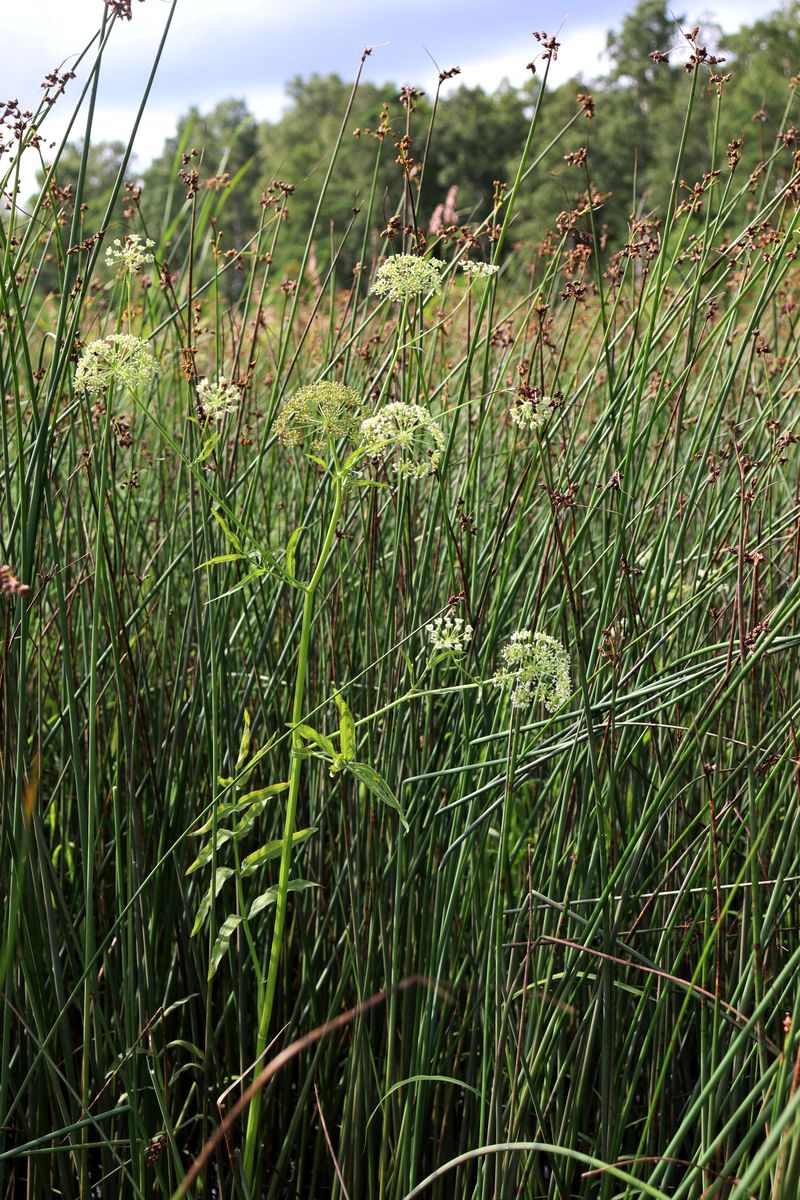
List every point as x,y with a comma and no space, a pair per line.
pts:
298,711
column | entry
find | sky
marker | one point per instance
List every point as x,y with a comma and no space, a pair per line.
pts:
250,48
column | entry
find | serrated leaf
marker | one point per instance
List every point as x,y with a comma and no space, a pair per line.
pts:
272,850
223,875
226,932
207,853
220,558
207,447
226,529
271,895
244,744
378,786
312,735
347,729
258,573
291,551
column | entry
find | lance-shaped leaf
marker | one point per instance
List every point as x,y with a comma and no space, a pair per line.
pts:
291,552
251,799
226,932
319,739
244,744
272,850
271,895
347,729
222,876
378,786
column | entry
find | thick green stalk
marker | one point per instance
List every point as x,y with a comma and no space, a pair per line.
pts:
290,821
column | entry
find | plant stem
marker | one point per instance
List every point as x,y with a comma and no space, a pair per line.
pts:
265,1015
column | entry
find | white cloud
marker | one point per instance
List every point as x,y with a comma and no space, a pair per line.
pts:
582,53
250,48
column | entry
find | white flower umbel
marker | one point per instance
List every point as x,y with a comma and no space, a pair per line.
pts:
129,254
530,412
405,275
480,270
121,358
407,431
216,398
449,635
325,410
535,667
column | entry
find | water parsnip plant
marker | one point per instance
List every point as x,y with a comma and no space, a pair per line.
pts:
399,613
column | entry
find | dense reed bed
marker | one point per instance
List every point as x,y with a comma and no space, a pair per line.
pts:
540,916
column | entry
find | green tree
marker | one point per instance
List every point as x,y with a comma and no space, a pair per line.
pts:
227,146
762,99
475,135
298,149
103,162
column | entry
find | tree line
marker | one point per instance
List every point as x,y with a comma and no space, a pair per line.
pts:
427,164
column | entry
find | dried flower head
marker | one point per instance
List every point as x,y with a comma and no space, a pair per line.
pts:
121,8
128,255
480,270
405,275
121,358
216,398
449,635
535,667
407,430
325,410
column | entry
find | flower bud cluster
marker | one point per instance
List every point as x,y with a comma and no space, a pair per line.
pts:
449,635
325,410
121,359
405,275
216,398
535,667
407,432
129,254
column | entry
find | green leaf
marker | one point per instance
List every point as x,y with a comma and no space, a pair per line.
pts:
223,875
271,895
258,573
291,551
207,447
311,735
378,786
207,853
401,1083
182,1044
272,850
223,811
244,744
347,729
226,529
249,800
226,932
220,558
272,789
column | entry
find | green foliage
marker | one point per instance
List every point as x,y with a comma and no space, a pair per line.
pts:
543,949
